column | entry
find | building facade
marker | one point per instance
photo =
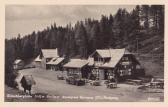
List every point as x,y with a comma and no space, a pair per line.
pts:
45,56
56,64
77,67
18,64
115,62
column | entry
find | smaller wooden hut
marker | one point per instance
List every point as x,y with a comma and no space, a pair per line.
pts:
18,64
77,66
56,64
38,61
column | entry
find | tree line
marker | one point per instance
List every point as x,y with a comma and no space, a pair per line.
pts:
120,30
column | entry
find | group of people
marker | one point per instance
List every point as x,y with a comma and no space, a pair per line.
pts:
111,78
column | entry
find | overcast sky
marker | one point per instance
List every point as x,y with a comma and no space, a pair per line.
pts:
24,19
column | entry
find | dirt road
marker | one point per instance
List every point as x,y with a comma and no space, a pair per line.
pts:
58,90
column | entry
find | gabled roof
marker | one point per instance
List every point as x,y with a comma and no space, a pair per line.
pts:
17,61
76,63
55,61
108,53
37,59
49,53
104,53
116,55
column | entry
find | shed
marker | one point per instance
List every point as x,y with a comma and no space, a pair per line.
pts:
38,61
56,64
78,66
18,64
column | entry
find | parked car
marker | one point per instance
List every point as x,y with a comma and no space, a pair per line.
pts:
60,77
157,83
75,80
95,83
134,82
111,83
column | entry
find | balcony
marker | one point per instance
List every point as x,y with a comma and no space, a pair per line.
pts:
97,63
126,63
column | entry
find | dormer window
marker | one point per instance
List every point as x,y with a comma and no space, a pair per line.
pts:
125,58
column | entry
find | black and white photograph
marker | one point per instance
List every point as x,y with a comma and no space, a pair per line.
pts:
84,53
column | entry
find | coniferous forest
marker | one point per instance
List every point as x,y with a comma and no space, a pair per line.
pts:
141,30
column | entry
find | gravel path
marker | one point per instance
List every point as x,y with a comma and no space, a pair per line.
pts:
58,90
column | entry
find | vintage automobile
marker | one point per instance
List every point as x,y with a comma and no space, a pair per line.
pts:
75,80
60,77
111,83
157,83
95,83
133,82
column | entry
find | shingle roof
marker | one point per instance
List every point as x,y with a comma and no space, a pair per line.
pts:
76,63
50,53
55,61
108,53
17,61
114,54
103,53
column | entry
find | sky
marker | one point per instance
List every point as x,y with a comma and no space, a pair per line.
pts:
24,19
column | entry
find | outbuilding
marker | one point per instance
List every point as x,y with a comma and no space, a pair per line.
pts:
18,64
45,56
56,64
79,67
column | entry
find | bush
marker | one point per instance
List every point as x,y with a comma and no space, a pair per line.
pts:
10,79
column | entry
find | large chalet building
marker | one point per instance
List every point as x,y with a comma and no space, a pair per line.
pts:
115,62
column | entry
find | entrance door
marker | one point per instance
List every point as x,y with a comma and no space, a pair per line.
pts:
106,74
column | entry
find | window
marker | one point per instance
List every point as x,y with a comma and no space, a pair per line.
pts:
121,73
129,73
125,58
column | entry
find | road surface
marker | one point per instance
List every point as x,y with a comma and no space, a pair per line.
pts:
59,90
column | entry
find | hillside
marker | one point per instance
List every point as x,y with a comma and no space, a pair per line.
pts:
151,55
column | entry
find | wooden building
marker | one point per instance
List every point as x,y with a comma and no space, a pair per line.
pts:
56,64
38,61
45,56
115,62
18,64
79,67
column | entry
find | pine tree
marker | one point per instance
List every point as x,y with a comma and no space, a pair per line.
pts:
81,40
